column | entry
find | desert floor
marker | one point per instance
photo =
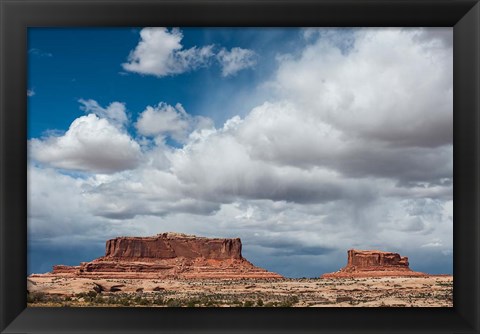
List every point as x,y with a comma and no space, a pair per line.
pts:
434,291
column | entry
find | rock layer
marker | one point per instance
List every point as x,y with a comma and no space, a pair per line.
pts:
173,245
374,263
168,255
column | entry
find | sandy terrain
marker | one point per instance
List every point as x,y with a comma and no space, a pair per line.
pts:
433,291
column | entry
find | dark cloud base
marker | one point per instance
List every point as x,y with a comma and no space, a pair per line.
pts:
41,258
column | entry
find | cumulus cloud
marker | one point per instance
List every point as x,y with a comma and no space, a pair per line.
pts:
160,53
91,144
235,60
163,120
220,168
30,92
47,219
341,38
173,121
388,88
61,215
115,112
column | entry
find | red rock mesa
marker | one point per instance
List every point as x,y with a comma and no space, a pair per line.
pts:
168,255
374,263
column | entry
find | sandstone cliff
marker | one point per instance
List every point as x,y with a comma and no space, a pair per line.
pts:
168,255
173,245
374,263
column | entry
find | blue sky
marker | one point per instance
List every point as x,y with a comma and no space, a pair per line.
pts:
66,65
304,142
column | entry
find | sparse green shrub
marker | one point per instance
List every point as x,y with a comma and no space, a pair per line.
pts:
192,303
289,302
209,303
248,303
144,301
36,297
91,294
124,301
158,301
99,299
173,303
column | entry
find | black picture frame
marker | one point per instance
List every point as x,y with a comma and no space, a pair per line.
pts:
17,15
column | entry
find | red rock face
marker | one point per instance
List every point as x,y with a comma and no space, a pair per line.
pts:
169,246
371,263
168,255
365,259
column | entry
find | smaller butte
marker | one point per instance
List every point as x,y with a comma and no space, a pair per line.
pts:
374,263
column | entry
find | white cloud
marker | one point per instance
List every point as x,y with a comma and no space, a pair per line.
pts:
115,112
432,244
91,144
388,87
47,219
30,92
161,53
39,53
235,60
60,211
166,120
163,120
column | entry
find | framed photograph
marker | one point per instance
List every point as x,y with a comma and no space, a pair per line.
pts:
207,166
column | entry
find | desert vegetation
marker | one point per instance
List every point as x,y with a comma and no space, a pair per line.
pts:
314,292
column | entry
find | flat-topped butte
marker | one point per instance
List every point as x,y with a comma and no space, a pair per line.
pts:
168,255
